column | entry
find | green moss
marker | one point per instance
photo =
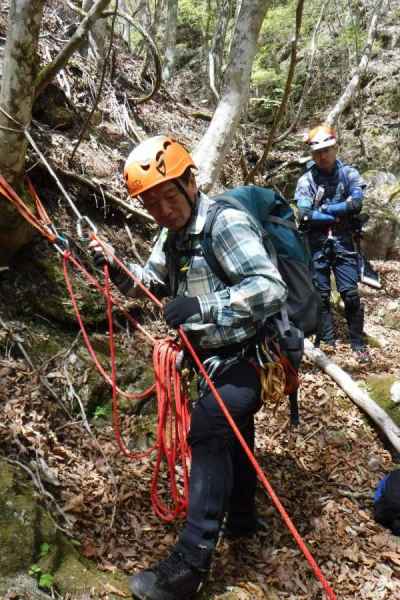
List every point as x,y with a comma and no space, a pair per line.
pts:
75,575
392,320
25,527
379,389
373,342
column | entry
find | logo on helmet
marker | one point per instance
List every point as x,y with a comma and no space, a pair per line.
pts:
135,186
161,168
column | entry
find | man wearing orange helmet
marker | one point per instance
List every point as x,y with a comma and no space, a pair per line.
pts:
222,322
329,196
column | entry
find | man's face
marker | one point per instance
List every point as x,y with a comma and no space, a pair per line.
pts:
325,158
168,205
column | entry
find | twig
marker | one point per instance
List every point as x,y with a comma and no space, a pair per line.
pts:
20,346
38,484
141,215
154,52
133,245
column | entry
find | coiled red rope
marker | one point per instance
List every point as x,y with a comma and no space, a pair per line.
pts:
171,445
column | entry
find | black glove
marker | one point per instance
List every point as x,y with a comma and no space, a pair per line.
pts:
181,309
102,255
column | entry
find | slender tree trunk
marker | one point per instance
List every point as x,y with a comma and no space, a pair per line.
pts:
215,144
216,56
352,87
170,39
16,98
97,35
17,86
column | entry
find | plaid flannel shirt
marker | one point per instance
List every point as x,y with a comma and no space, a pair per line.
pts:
229,315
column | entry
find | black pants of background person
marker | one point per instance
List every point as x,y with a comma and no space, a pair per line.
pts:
222,479
338,256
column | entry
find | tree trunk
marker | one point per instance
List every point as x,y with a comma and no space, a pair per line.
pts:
352,87
215,144
170,39
97,36
216,58
19,87
16,98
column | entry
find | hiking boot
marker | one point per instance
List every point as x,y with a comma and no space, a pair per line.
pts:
326,332
169,579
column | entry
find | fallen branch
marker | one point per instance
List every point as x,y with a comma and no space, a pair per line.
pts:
139,214
360,397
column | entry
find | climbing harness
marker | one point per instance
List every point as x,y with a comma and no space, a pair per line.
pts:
166,359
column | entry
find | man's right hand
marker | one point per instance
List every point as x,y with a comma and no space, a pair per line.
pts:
102,253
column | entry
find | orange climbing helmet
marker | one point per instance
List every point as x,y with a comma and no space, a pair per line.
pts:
154,161
321,137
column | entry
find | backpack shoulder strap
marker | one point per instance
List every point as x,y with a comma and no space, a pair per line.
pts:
280,221
222,202
206,243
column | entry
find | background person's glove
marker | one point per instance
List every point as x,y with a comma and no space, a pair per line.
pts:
180,309
321,217
337,209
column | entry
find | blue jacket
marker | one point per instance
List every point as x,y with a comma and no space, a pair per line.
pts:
326,201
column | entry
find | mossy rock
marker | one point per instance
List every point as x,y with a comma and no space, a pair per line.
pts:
25,527
379,387
76,575
391,320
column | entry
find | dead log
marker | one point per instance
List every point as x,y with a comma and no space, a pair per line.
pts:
360,397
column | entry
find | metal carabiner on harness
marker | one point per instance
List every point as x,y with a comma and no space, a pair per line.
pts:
61,244
79,229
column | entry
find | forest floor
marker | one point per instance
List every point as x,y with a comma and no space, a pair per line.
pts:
324,472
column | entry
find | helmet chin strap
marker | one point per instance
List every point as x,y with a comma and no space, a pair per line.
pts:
183,191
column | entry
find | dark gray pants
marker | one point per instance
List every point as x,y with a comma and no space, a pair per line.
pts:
222,479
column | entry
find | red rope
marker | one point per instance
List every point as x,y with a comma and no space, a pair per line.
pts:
286,519
171,445
168,441
172,431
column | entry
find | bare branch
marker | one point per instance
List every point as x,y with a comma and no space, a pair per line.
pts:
349,93
304,93
77,40
156,57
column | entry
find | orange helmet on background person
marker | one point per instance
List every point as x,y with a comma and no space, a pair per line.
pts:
154,161
321,137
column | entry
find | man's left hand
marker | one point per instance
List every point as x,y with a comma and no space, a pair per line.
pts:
180,309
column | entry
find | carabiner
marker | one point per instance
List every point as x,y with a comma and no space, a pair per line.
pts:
79,230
